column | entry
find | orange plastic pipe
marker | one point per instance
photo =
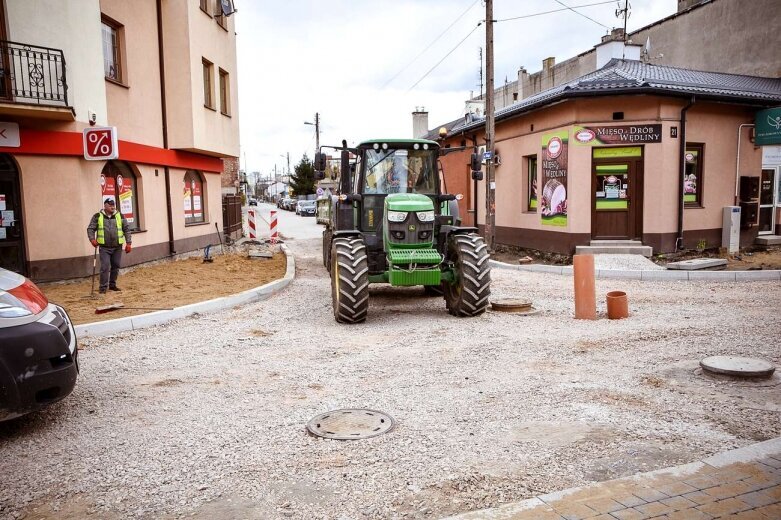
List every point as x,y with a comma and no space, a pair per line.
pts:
585,292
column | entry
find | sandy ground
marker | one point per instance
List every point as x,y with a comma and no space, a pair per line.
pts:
167,284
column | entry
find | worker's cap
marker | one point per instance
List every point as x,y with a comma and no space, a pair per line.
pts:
109,201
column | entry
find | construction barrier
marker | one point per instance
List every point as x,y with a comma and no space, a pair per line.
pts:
273,225
251,224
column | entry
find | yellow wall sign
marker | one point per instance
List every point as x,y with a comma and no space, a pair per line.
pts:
624,151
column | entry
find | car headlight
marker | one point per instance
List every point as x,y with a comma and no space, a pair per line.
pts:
397,216
426,216
23,300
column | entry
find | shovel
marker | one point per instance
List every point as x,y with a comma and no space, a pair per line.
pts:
119,305
94,263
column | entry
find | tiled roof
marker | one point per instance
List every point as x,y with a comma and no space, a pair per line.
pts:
629,76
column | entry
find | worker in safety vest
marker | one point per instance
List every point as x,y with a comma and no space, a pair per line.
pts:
109,232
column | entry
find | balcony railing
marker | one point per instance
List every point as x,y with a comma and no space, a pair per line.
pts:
32,75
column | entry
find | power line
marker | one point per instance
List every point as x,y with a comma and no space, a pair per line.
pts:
554,11
583,15
445,56
430,44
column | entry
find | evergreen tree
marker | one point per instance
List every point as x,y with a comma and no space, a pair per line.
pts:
302,182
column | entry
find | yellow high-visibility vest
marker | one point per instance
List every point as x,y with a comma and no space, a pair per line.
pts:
101,236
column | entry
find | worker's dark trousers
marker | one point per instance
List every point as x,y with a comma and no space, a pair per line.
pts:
110,258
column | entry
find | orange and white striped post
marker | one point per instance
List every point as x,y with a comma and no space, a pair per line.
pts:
251,223
273,226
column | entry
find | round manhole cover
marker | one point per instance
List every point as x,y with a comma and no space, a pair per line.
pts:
513,305
737,366
350,424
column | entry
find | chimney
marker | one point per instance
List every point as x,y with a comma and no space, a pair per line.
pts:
548,63
613,46
419,122
523,77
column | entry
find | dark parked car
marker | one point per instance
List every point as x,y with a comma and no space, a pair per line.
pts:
307,207
38,351
252,202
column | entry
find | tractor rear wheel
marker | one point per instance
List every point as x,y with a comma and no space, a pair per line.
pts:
349,280
468,295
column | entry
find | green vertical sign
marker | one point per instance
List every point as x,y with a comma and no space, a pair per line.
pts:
767,126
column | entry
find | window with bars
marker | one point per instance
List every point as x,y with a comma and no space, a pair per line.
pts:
208,85
111,34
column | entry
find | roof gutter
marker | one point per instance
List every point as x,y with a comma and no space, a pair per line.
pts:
682,173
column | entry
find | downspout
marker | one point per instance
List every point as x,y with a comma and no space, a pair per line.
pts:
163,107
682,173
737,164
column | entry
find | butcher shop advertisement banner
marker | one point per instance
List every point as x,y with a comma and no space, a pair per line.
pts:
626,134
553,203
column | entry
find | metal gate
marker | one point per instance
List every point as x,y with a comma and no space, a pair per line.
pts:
231,216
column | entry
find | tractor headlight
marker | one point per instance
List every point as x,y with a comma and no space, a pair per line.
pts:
426,216
397,216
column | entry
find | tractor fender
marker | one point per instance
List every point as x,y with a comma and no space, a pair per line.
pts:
346,233
446,231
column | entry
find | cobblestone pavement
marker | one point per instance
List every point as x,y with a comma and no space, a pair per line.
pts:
739,484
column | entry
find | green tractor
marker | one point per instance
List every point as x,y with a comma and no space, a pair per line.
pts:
393,222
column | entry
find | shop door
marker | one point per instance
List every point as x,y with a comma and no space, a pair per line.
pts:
767,199
11,231
617,199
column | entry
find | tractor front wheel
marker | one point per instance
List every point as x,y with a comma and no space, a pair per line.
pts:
468,295
349,280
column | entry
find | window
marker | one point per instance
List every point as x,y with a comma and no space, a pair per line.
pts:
111,33
193,198
208,87
692,183
225,93
222,20
118,182
531,183
205,6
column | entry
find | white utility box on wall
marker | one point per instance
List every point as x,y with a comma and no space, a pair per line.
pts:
730,228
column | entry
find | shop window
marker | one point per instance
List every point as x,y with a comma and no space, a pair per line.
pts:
531,183
208,84
194,212
224,93
118,182
692,184
111,35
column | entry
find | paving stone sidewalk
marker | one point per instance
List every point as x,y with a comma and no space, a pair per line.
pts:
738,484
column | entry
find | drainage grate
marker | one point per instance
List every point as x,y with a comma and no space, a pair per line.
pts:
513,305
350,424
737,366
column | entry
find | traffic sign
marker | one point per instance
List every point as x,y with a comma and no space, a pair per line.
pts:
101,143
486,156
320,191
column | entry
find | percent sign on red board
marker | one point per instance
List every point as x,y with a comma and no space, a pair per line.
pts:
100,144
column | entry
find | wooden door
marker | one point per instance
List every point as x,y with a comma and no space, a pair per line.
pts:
617,198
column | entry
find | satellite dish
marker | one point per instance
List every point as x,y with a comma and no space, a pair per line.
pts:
226,8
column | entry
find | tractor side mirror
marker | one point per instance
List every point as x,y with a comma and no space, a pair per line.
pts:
476,164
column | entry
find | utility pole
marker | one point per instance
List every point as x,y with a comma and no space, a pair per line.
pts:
288,163
317,131
490,181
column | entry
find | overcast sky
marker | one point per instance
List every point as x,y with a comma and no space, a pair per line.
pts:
355,63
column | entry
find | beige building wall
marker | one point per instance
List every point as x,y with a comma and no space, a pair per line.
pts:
74,27
134,105
193,35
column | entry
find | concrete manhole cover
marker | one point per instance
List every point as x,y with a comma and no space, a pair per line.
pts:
737,366
350,424
514,306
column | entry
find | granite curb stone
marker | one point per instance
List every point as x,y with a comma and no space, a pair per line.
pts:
150,319
648,275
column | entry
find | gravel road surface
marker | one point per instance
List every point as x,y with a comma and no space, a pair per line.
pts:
205,417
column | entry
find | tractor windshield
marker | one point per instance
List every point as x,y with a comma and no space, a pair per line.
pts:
400,171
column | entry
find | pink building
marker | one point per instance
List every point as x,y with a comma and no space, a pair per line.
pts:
155,82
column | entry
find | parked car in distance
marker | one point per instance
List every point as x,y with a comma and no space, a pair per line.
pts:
38,350
252,202
307,207
288,204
